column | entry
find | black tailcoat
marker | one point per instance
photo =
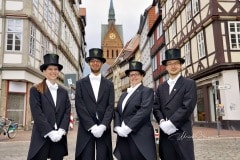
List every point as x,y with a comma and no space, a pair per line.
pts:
177,107
87,107
45,114
136,115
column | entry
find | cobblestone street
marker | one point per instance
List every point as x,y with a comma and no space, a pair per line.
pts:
208,145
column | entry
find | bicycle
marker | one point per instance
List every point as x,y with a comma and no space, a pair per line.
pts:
8,127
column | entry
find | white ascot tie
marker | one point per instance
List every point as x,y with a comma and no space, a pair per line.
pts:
171,84
129,90
95,82
53,86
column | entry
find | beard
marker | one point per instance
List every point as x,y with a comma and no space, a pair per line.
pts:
95,70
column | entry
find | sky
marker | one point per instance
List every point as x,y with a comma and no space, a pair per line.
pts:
127,14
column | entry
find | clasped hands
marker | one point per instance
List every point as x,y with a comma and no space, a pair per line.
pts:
97,130
56,135
167,127
123,131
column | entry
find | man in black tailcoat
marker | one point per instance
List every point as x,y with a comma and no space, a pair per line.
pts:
94,105
175,101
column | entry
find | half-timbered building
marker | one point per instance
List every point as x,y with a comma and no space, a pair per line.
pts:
208,34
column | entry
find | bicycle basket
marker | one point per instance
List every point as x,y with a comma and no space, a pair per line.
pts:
13,127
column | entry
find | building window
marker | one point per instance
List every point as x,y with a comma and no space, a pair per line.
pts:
107,53
35,3
56,22
174,28
154,64
14,35
166,37
159,30
45,9
45,45
187,54
32,40
170,4
234,35
48,11
189,11
151,41
162,55
163,12
201,44
195,7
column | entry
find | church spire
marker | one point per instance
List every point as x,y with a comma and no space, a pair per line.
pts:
111,14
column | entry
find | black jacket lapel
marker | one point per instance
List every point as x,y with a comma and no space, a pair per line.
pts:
89,88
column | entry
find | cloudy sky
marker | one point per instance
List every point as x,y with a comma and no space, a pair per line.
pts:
127,13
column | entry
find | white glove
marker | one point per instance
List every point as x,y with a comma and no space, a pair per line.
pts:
61,132
98,131
93,127
168,127
126,130
54,136
120,132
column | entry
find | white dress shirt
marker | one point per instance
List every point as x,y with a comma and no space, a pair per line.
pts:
130,92
53,89
171,82
95,82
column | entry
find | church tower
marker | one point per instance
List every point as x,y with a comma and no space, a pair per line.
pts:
111,37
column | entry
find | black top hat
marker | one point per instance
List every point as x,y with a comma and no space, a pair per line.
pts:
95,53
135,66
50,59
172,54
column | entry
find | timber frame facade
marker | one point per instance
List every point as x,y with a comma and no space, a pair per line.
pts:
29,30
208,34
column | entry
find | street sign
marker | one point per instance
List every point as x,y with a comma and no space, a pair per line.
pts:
223,87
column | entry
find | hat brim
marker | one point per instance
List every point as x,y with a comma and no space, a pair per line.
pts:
164,62
44,66
103,60
141,71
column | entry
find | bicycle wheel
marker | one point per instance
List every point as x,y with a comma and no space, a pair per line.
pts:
12,130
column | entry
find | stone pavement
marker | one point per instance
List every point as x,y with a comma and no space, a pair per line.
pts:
208,144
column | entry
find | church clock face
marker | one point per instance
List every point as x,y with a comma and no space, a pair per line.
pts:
112,36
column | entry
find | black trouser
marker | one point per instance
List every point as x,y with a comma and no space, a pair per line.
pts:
50,150
129,150
102,151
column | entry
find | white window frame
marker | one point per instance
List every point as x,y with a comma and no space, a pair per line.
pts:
187,53
189,11
159,30
45,10
162,55
35,3
44,45
56,22
234,35
166,36
201,44
174,28
154,62
32,43
163,11
151,40
14,27
195,7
